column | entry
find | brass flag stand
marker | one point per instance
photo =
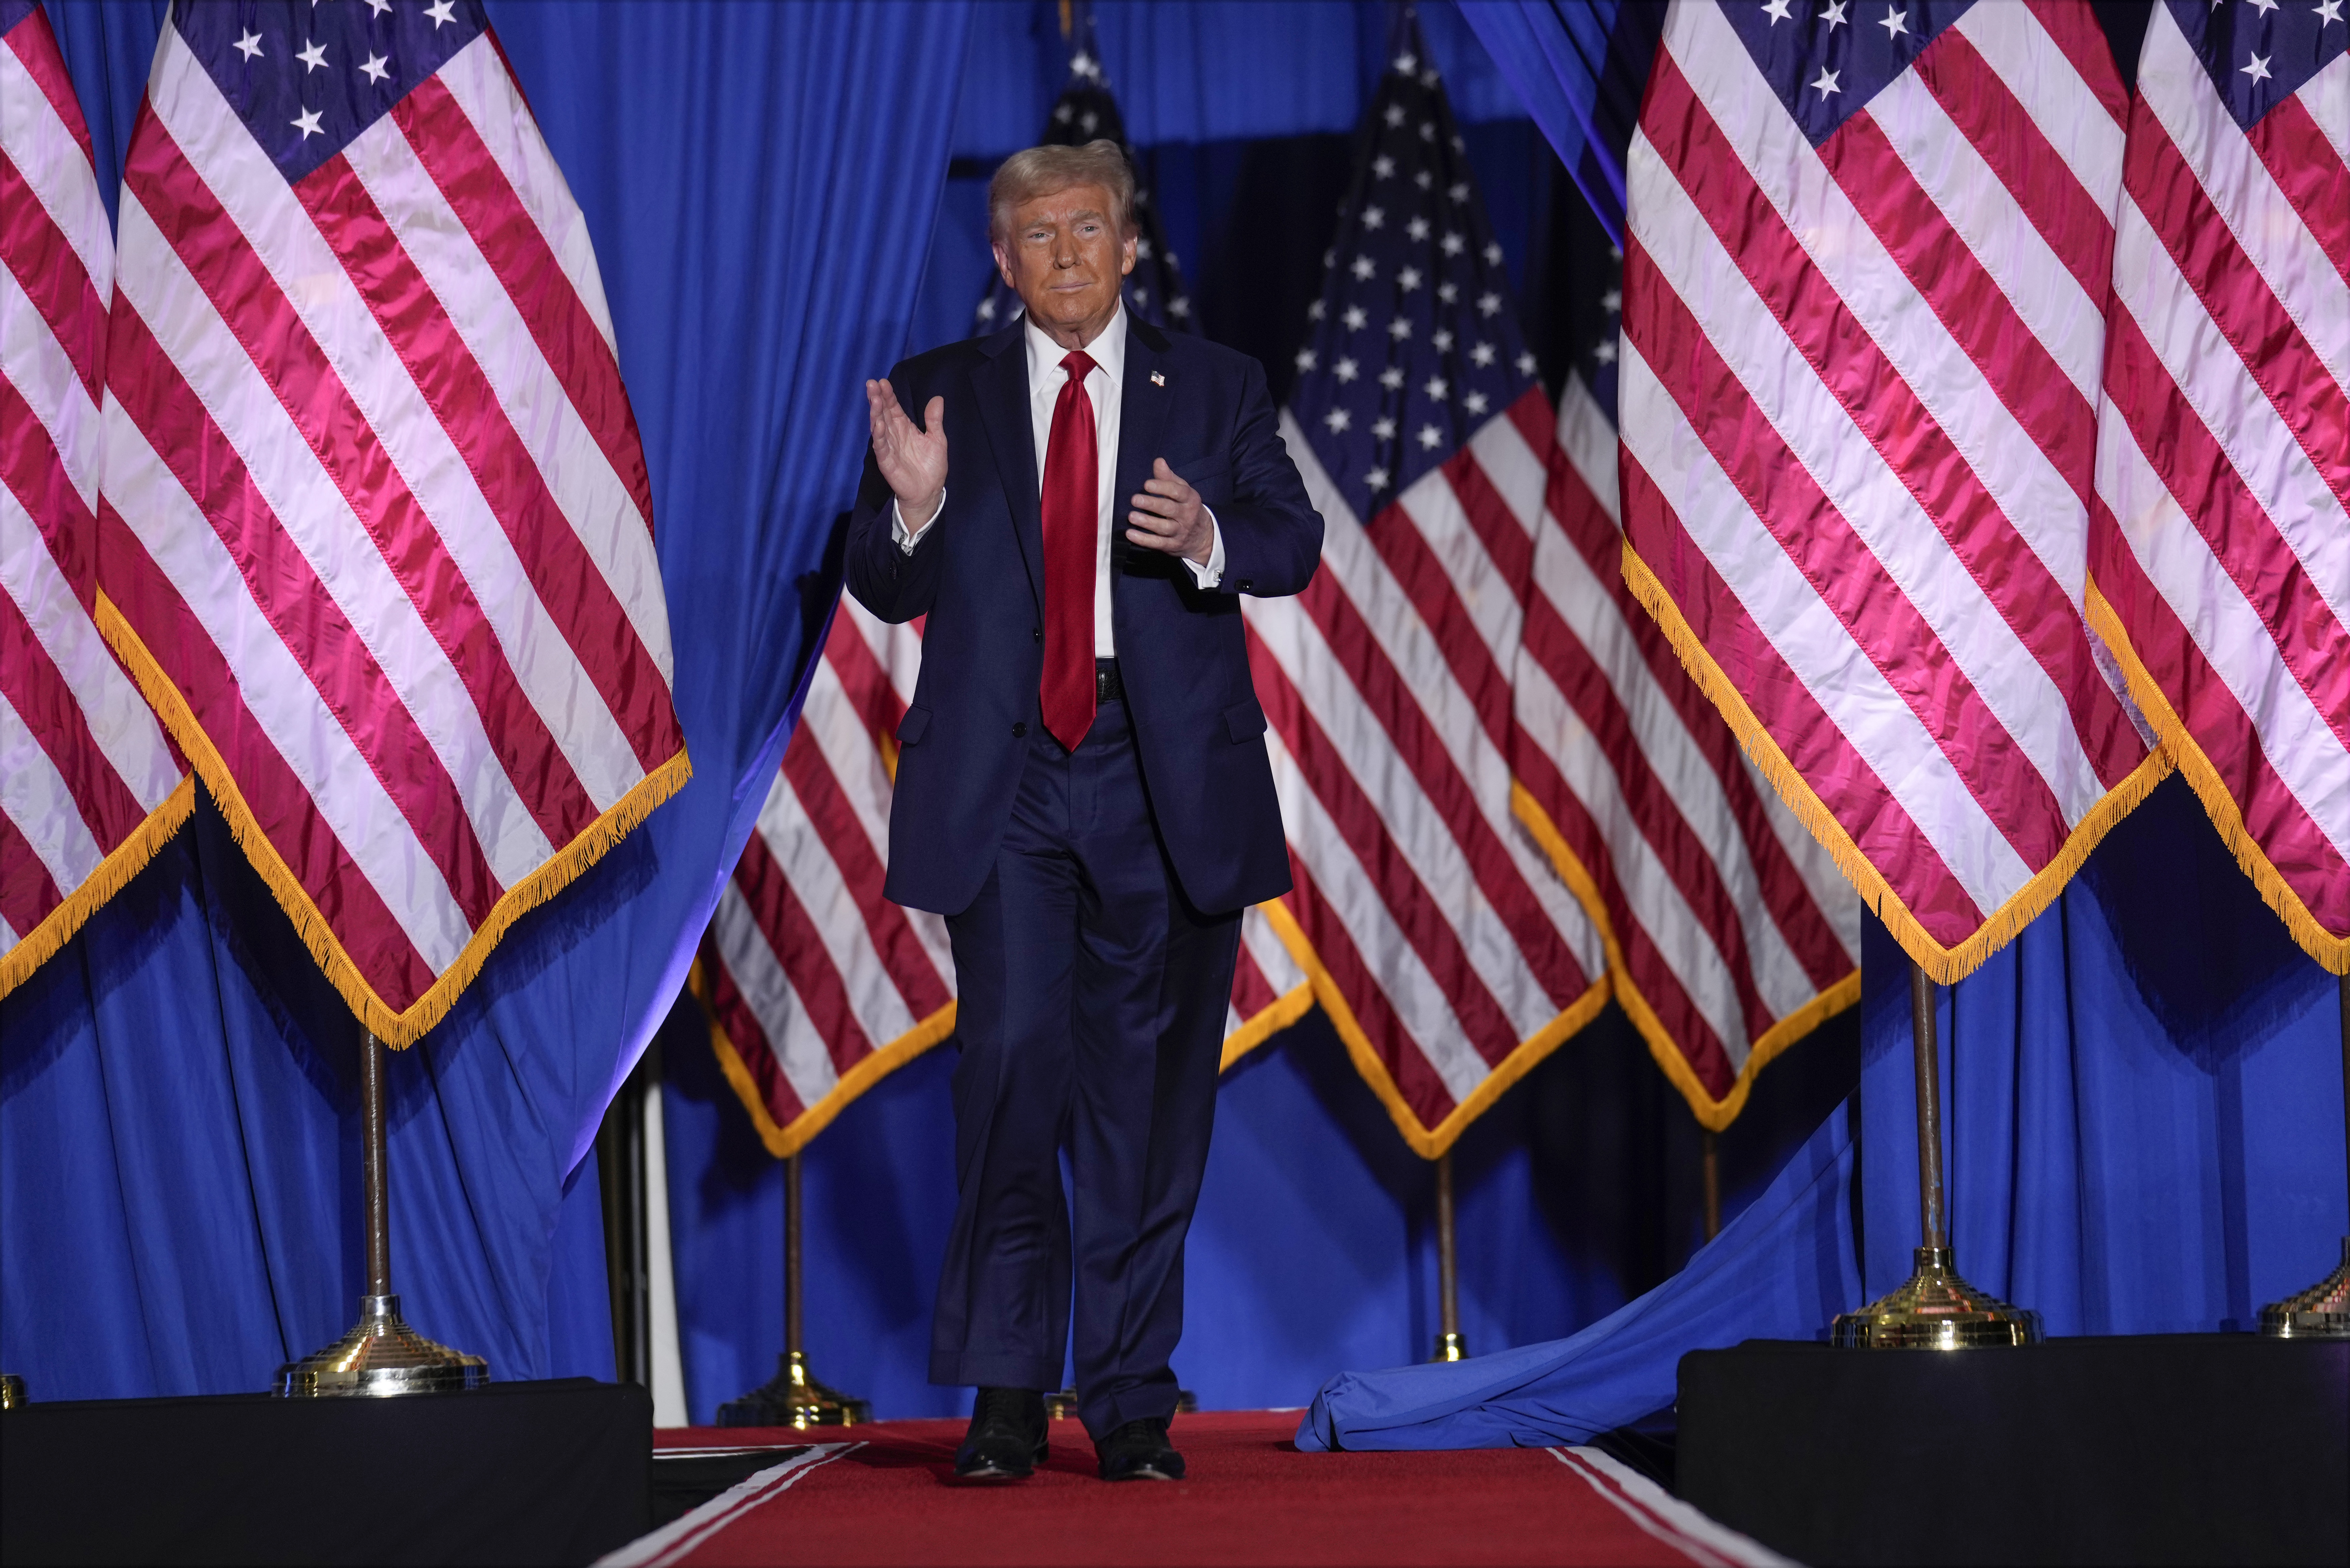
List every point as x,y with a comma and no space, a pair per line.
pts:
1934,1309
381,1356
2322,1311
792,1398
1450,1345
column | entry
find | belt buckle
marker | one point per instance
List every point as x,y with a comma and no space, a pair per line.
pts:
1106,683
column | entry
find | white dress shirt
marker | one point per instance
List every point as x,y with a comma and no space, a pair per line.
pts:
1105,388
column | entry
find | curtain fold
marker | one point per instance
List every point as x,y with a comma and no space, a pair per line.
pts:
2143,1135
179,1178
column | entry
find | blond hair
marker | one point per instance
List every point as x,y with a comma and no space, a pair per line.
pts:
1042,171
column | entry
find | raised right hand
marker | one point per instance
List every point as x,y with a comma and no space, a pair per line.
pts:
913,461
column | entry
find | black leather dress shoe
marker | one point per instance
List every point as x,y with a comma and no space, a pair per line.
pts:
1139,1451
1007,1437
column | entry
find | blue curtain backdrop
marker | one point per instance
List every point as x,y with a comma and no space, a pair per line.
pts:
177,1143
2143,1135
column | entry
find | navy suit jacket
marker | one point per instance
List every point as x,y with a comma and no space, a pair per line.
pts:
977,571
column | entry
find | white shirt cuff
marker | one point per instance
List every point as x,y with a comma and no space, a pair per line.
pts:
906,541
1212,574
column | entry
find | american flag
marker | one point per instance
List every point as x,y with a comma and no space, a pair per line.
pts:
88,786
816,985
376,527
1441,941
1730,933
2220,550
1865,292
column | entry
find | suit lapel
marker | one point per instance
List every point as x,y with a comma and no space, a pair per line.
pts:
1002,384
1141,424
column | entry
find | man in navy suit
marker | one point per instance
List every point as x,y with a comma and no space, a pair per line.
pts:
1082,790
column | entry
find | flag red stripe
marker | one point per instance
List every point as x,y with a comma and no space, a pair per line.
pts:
51,274
2075,30
1508,539
453,154
1408,901
1848,577
870,694
2310,173
563,575
37,689
1878,826
1422,1092
1970,304
1685,858
2286,833
287,592
784,921
903,957
35,44
741,1025
1413,564
1252,992
1994,119
281,807
2311,404
1883,409
1785,894
1688,1027
1409,729
27,891
34,473
2244,541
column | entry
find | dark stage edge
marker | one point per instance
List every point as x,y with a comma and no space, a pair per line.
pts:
552,1472
2156,1448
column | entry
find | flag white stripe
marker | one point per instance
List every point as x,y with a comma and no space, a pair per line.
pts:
1265,945
758,975
897,650
342,787
477,79
1789,612
2209,374
1589,442
1394,966
2305,753
2326,95
2173,83
36,364
834,727
1515,472
1882,511
310,277
2064,107
2041,290
2045,511
46,152
580,477
816,880
120,720
312,513
36,798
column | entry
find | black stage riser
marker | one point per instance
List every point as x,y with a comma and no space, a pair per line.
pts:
2157,1449
554,1472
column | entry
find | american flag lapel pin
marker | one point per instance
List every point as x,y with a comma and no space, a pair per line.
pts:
1157,377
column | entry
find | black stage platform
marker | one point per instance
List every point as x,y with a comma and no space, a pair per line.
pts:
554,1472
2218,1448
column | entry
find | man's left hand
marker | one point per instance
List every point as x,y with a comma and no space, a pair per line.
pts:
1168,518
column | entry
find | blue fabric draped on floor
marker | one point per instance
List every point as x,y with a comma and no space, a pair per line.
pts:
179,1178
2143,1135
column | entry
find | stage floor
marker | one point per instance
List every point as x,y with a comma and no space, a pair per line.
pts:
881,1494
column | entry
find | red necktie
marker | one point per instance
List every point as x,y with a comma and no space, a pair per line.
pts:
1072,523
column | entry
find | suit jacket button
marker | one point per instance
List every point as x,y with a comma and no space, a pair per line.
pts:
1247,587
1038,632
1019,731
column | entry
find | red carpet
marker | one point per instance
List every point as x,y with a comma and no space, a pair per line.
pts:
881,1495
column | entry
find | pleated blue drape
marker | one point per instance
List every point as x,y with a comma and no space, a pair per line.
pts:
179,1179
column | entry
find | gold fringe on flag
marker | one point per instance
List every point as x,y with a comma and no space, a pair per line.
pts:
397,1029
126,860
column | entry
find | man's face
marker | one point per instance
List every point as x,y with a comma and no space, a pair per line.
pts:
1063,257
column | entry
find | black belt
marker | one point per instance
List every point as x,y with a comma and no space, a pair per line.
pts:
1107,687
